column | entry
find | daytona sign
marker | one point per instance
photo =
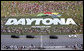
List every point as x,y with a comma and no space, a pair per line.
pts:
46,21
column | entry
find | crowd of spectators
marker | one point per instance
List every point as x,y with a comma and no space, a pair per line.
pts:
22,30
19,8
15,47
68,8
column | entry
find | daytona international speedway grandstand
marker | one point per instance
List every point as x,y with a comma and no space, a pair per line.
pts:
68,37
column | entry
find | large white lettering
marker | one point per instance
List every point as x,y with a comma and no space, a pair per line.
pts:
28,21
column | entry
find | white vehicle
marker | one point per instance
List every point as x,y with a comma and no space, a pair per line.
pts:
72,36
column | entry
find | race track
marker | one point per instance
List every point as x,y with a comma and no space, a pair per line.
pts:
63,40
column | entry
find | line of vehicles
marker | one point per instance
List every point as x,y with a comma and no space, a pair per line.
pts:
50,36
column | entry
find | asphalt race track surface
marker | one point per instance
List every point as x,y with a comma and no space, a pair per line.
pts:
63,40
